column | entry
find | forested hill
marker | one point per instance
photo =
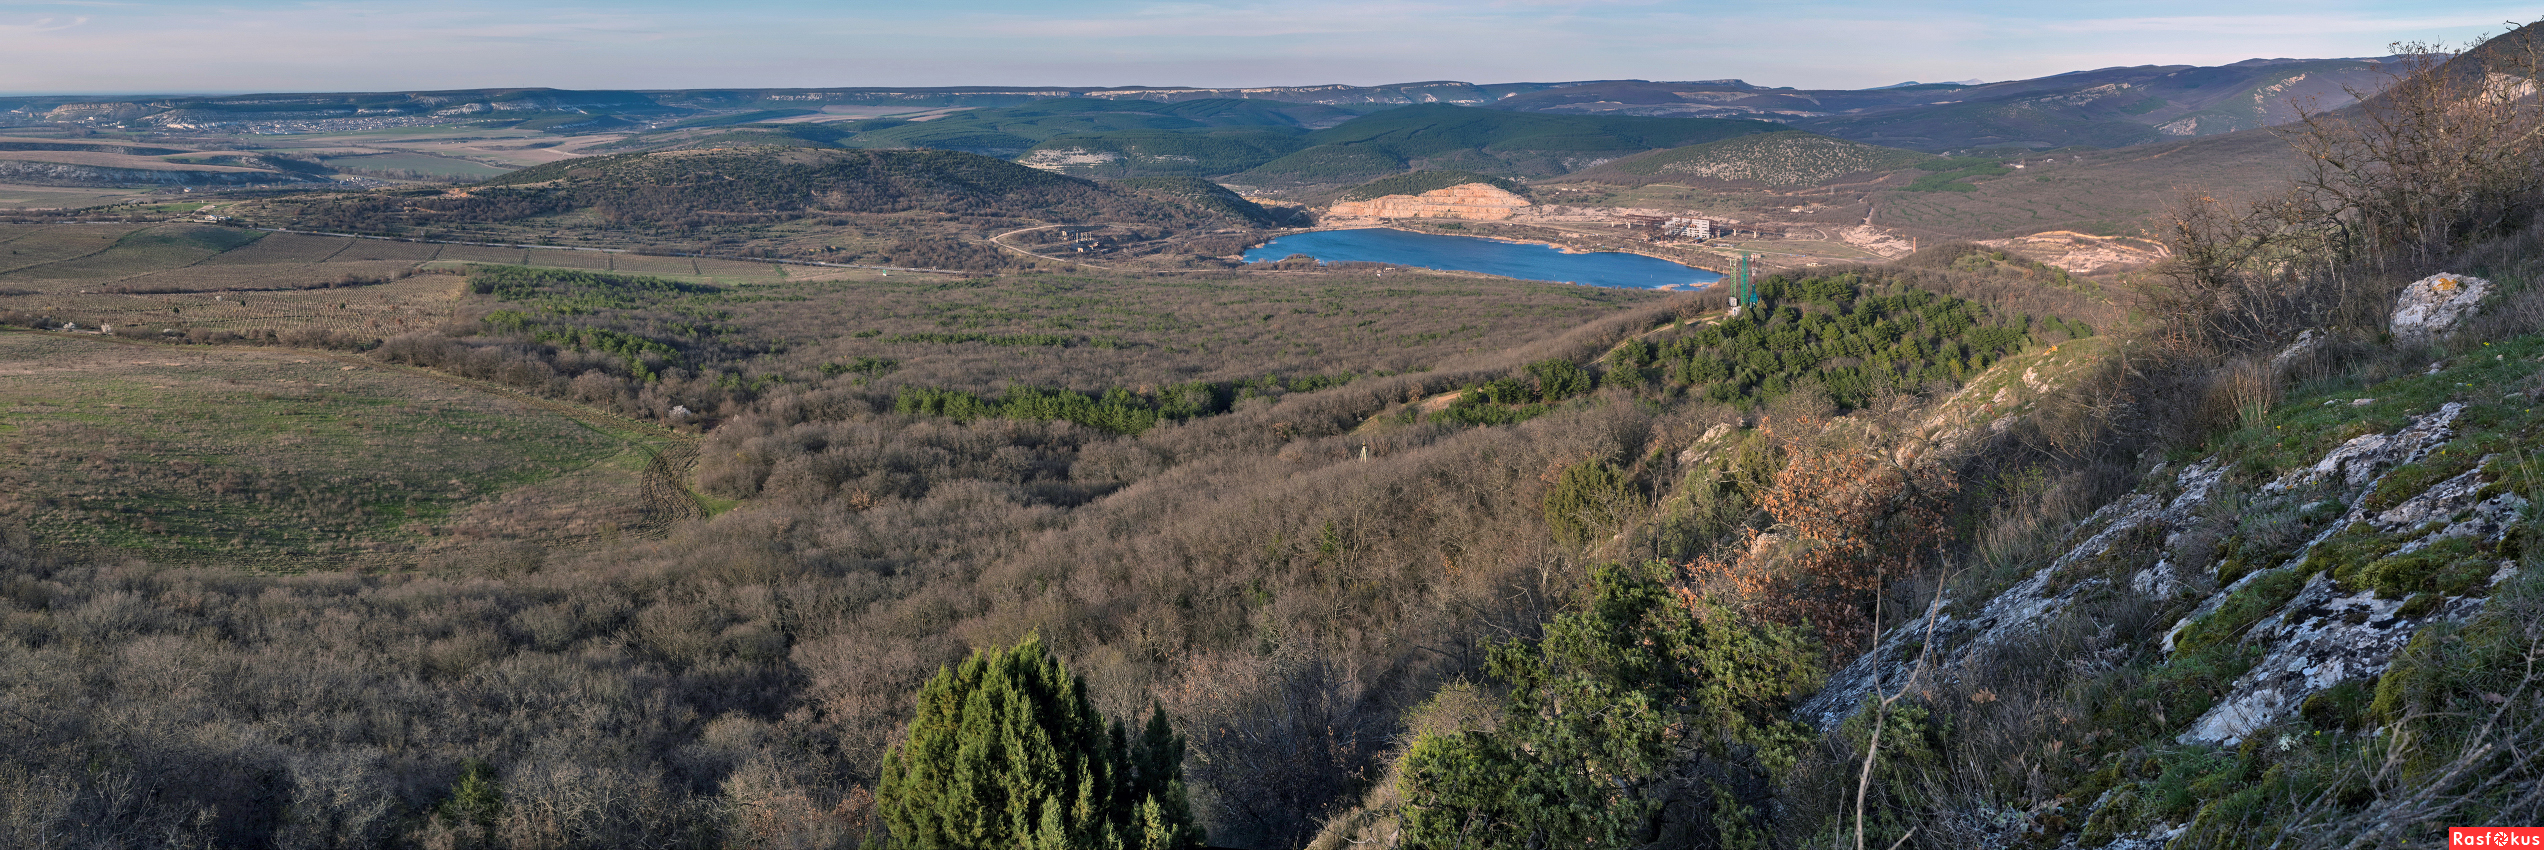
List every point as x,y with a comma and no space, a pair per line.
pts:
764,182
1460,137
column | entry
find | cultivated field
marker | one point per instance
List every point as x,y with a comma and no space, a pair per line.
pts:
16,196
115,160
419,163
131,253
483,254
30,246
568,259
222,455
382,249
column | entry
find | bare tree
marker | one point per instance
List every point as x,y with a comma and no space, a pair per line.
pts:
2452,150
2448,153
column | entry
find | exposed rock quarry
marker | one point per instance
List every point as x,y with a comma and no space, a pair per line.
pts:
1471,201
2431,307
1058,159
2083,253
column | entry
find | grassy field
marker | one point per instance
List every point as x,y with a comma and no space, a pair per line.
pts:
1092,332
270,458
176,279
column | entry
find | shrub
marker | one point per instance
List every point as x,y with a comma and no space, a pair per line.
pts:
1591,498
1613,695
1006,750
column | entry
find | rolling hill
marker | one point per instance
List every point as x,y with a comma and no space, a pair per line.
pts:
1163,152
2109,107
1441,136
904,208
768,183
50,162
1203,194
1782,160
2113,192
1009,131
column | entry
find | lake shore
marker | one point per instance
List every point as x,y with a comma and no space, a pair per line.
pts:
1516,258
1558,245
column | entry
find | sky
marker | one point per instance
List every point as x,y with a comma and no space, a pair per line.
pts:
231,46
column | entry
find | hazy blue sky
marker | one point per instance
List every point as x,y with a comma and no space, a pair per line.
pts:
272,45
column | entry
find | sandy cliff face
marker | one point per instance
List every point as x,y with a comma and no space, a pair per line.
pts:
1472,202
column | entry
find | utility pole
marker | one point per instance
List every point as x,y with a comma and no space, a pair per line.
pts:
1742,294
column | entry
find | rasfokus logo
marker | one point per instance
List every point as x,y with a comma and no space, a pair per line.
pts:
2495,836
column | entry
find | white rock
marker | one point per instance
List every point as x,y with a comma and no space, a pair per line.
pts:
2023,608
2321,638
2431,307
2442,502
2306,342
1701,449
2363,457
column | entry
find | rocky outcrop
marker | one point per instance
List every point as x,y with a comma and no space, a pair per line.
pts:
2305,345
2025,607
2431,307
1471,202
2327,635
2323,635
108,111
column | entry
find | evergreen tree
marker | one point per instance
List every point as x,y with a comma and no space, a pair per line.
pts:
1006,751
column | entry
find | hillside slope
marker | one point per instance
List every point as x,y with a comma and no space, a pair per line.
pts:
652,189
2107,107
1782,160
1442,136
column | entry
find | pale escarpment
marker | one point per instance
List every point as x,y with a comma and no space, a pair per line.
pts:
1470,202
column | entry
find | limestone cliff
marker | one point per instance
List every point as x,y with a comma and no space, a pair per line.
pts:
1471,202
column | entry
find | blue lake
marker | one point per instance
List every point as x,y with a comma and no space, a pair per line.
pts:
1467,253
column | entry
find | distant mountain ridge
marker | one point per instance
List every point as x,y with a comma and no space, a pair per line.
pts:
2103,107
2106,107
